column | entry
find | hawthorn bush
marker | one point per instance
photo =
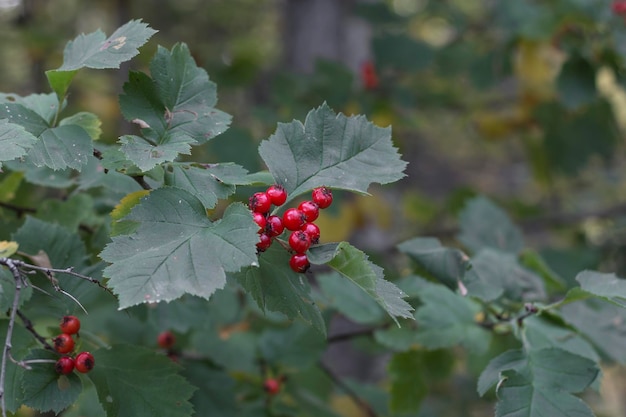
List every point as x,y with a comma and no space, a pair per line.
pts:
178,308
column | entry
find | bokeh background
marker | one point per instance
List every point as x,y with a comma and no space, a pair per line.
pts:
523,101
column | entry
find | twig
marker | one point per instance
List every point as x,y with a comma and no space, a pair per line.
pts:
6,352
340,337
20,211
69,271
141,181
349,391
29,326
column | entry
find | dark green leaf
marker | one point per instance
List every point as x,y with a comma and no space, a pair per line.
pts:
297,346
354,265
177,249
331,150
446,319
485,225
533,261
540,333
15,141
577,82
216,391
408,384
44,388
19,114
134,381
275,287
511,359
21,341
147,155
62,147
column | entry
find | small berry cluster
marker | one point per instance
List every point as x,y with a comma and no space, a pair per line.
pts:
64,343
299,221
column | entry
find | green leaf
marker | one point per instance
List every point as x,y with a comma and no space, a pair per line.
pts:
19,114
94,50
354,265
62,147
275,287
44,105
88,121
296,347
539,333
147,155
577,82
181,98
7,290
501,271
68,213
44,388
208,182
485,225
609,287
446,319
409,386
60,81
331,150
349,300
21,342
130,383
15,141
216,391
448,265
177,249
533,261
539,383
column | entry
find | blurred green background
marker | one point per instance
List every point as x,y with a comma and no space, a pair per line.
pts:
523,101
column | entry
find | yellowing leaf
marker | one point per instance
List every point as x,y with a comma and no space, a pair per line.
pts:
7,248
127,203
537,64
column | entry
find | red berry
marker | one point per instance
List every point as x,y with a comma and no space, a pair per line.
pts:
277,194
299,263
265,241
84,362
63,343
322,196
310,210
260,203
271,386
619,7
64,365
260,220
166,339
369,76
299,241
70,324
313,231
293,219
274,226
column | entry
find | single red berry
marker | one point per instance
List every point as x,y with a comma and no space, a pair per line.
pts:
299,263
271,386
310,210
277,194
619,7
63,343
70,324
84,362
313,231
368,75
260,203
293,219
322,196
166,339
299,241
265,241
274,226
259,219
64,365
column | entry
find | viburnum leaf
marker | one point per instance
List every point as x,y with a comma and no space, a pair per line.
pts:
147,155
354,265
62,147
331,150
44,388
208,182
446,319
179,98
485,225
176,249
539,383
130,382
275,287
15,141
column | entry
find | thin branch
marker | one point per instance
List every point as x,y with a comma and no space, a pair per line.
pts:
141,181
340,337
6,351
29,326
20,211
364,405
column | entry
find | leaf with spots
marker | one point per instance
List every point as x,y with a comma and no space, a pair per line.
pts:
177,249
15,141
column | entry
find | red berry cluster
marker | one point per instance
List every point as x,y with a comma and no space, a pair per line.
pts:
619,7
64,343
299,221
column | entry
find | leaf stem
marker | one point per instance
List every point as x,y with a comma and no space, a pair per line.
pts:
364,405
